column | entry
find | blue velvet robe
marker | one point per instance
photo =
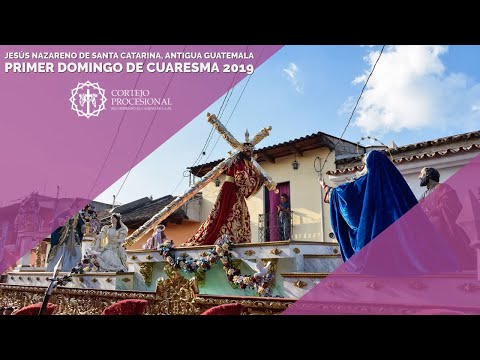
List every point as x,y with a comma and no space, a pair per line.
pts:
362,209
72,253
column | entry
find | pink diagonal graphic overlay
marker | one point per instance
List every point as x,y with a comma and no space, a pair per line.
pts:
424,263
45,143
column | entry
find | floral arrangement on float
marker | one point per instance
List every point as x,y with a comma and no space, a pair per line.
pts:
89,263
262,281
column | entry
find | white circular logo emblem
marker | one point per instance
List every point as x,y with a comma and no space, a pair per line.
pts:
88,99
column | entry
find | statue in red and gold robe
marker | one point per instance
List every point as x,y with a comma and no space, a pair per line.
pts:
230,212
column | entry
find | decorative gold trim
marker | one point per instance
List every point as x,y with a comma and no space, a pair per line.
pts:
321,256
296,250
134,257
94,280
174,296
229,178
249,252
275,251
38,255
194,285
126,280
300,284
273,263
253,306
306,275
146,270
149,257
169,270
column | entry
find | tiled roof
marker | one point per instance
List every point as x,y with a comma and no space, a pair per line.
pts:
409,158
397,152
132,205
295,146
444,140
141,211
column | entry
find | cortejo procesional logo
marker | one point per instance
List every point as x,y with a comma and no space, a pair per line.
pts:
88,99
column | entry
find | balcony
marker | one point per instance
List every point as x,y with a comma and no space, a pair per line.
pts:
271,229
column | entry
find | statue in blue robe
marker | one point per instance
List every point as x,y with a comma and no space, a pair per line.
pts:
66,240
362,209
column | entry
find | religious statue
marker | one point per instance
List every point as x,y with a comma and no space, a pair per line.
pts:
89,216
442,206
356,207
430,178
66,241
108,246
28,218
230,215
157,239
362,209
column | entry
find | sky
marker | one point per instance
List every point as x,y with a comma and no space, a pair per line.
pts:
415,93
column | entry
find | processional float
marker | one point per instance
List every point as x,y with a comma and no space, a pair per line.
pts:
247,148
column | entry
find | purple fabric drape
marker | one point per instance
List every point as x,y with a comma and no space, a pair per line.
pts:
272,217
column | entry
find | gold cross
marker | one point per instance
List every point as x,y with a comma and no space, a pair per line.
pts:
247,146
238,147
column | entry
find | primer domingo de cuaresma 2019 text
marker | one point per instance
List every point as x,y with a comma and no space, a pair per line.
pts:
202,62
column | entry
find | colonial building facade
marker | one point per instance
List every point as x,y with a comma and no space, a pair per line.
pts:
295,166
